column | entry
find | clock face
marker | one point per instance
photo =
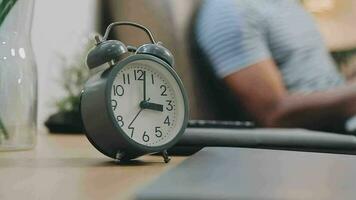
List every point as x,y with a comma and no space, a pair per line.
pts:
147,103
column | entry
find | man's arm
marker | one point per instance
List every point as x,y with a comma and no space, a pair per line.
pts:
260,89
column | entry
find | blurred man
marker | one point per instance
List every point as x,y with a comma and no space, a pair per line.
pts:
271,55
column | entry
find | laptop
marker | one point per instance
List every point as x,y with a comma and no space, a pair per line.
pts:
256,174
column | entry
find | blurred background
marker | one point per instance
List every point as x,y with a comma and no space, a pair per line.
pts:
59,33
62,29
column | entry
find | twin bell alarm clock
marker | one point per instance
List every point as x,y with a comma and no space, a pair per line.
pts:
135,105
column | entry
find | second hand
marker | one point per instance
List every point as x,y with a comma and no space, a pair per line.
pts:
129,126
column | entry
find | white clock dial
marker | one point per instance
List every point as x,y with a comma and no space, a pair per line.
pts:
161,114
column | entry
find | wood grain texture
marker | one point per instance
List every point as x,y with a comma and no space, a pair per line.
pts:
68,167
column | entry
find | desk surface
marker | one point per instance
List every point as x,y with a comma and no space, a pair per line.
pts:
68,167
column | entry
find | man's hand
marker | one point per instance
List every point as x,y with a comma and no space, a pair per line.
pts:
261,91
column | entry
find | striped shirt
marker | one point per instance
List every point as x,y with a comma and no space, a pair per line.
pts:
235,34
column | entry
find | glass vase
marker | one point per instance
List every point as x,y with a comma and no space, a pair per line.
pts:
18,77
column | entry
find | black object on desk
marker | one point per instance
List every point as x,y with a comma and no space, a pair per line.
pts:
287,139
245,173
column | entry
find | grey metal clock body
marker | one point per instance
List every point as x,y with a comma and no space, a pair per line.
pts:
100,123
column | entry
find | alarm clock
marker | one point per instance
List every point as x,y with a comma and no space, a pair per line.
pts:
136,105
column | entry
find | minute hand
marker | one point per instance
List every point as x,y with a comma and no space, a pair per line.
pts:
144,86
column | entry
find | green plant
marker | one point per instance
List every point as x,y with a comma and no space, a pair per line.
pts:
3,131
5,7
342,57
74,76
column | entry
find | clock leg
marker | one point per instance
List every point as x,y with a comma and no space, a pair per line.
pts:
165,156
119,155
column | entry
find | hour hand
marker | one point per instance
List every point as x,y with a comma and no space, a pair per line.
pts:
151,106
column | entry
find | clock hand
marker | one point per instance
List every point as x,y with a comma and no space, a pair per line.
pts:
155,106
151,106
134,118
144,85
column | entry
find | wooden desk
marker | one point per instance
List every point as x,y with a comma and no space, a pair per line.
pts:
68,167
